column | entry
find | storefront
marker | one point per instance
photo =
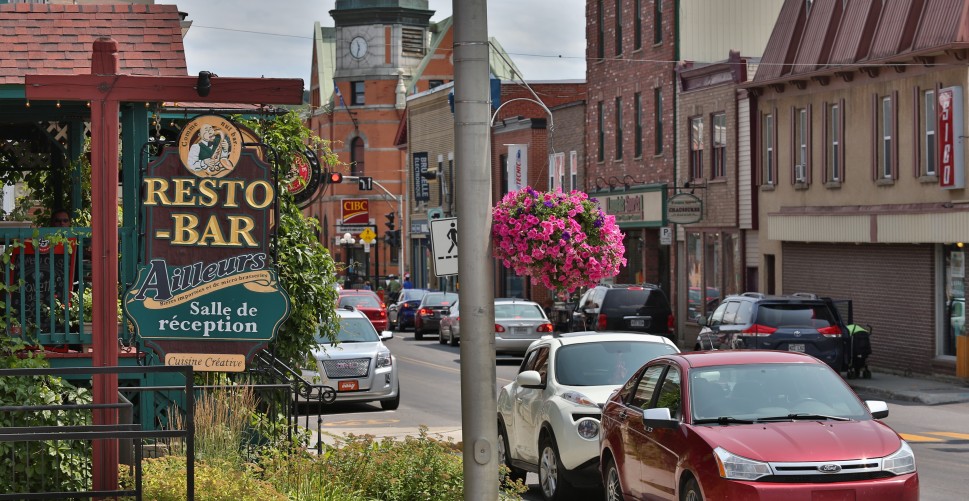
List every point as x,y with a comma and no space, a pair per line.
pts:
639,214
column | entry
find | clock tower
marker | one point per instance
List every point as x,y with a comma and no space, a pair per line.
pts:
377,52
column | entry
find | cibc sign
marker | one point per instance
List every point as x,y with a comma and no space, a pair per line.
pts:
208,294
356,211
952,170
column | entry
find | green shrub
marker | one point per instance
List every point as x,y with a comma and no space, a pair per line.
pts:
164,479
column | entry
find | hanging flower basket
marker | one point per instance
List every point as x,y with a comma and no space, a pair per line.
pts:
562,241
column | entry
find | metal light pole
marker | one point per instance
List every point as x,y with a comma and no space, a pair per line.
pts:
472,146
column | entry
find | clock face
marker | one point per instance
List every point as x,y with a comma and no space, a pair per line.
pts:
358,47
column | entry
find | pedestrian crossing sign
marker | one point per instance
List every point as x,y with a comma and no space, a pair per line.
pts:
444,246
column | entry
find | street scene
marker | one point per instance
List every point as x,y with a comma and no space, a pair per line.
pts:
432,250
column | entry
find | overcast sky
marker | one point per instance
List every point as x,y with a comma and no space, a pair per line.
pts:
252,38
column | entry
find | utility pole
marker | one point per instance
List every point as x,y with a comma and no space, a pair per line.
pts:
472,145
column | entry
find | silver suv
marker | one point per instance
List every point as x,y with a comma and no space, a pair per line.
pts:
359,367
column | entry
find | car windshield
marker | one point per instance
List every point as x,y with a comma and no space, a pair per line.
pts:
767,392
521,310
604,362
353,330
412,294
817,316
360,301
440,298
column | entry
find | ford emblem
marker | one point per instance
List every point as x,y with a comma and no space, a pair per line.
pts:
829,468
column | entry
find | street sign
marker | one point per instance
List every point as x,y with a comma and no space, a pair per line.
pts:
444,244
665,235
367,235
365,183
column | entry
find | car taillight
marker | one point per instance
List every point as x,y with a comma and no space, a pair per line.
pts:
383,305
383,314
759,330
545,328
424,311
601,322
499,328
671,322
831,330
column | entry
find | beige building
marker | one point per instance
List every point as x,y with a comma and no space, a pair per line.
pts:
859,127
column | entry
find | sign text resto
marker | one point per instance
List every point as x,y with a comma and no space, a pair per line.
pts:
209,285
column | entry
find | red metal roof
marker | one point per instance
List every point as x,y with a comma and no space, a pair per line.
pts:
57,39
783,42
818,37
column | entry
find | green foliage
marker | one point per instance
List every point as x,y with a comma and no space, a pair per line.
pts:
306,269
50,465
51,189
164,479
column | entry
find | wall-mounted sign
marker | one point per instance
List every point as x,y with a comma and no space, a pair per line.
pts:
517,166
208,285
684,208
355,211
422,189
305,178
952,168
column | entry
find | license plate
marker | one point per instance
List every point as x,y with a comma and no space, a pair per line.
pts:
637,322
798,347
348,386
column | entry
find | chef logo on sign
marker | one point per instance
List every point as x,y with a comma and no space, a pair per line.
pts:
210,146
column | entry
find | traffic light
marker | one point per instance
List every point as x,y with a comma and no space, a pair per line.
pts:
334,177
390,221
392,238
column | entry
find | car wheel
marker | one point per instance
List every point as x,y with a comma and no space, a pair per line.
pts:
504,457
691,491
612,484
418,334
451,340
550,471
392,404
440,337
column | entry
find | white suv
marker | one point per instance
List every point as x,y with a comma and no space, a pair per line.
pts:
548,418
360,368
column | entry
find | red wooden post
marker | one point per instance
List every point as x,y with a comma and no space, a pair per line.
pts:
106,89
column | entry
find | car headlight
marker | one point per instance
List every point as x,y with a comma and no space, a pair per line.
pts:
901,461
739,468
384,360
588,428
578,399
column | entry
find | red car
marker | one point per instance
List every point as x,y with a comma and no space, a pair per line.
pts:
369,303
765,425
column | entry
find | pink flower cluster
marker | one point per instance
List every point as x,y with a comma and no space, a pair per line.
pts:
562,241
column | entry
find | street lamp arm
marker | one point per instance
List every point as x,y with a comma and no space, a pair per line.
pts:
551,120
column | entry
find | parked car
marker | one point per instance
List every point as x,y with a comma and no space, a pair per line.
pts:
517,324
401,313
368,302
359,367
630,308
428,317
804,323
696,303
548,418
749,425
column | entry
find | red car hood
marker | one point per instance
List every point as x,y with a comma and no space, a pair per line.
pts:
804,440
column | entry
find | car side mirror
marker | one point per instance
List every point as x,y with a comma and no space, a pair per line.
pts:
384,335
530,379
878,408
659,417
702,321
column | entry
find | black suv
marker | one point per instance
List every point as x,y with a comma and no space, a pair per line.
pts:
803,323
629,308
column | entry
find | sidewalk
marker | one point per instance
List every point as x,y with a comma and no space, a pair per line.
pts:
911,389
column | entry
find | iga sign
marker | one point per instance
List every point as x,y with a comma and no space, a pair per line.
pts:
209,285
952,170
356,211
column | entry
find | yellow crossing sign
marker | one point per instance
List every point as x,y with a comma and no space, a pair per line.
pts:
367,235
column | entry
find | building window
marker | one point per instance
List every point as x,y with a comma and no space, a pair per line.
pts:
801,145
767,155
930,145
601,151
638,133
885,128
618,27
658,121
618,128
696,147
719,144
715,270
356,93
600,31
434,84
657,21
356,157
833,155
638,25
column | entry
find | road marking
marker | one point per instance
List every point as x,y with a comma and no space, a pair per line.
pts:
949,434
442,367
919,438
361,422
